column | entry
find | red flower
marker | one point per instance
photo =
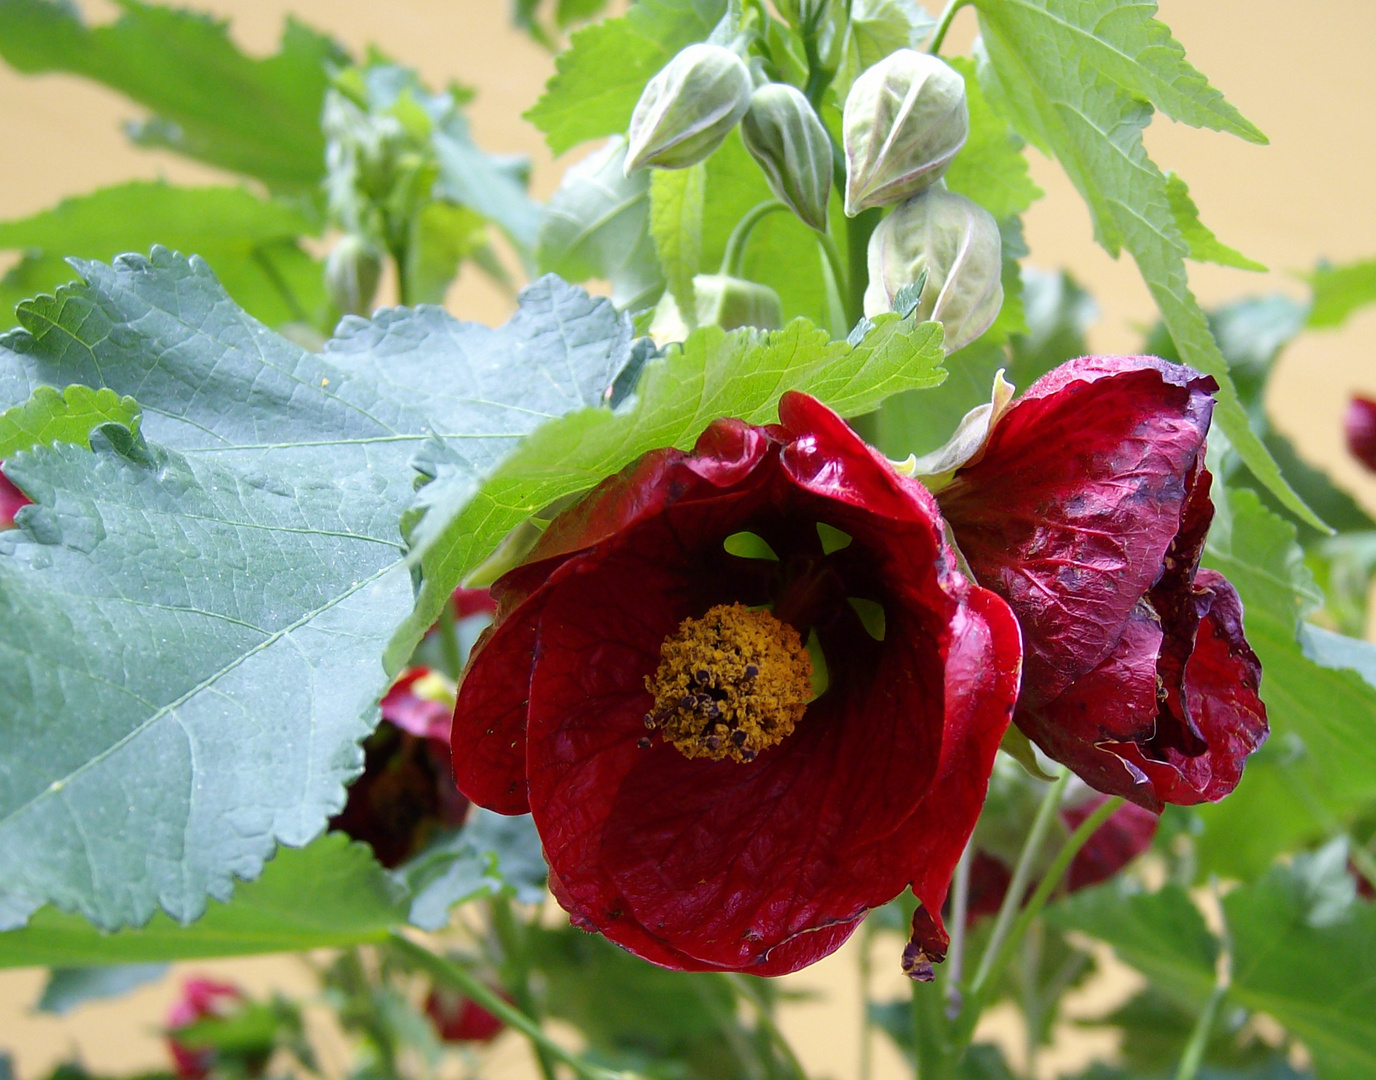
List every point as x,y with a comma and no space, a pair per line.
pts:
749,829
406,790
11,499
1360,427
460,1019
1087,512
200,998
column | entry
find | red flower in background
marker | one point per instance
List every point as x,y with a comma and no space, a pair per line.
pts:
407,788
1127,833
11,499
645,694
1087,512
201,999
460,1019
1359,425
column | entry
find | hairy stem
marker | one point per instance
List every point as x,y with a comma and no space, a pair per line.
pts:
452,974
735,245
944,24
1022,875
765,1019
1193,1056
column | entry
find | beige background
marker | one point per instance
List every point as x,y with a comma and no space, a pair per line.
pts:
1306,74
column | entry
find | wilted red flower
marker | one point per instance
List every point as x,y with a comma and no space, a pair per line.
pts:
11,499
1087,512
460,1019
1359,424
638,698
201,998
406,790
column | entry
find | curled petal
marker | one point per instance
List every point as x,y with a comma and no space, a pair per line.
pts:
1071,511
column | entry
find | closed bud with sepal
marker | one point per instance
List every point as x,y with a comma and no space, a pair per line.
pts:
905,119
784,134
353,270
955,243
688,108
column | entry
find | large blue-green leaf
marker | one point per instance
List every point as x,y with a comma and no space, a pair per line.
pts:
191,627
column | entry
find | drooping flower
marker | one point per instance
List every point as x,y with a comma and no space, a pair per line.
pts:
1087,510
1359,425
460,1019
645,693
200,999
406,790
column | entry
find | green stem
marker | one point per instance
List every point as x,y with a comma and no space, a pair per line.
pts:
960,907
839,271
445,971
1050,881
1022,875
765,1019
740,235
1193,1056
943,24
447,628
516,970
866,1024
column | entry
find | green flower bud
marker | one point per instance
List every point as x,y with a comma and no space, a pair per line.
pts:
353,270
956,243
786,137
905,119
719,300
688,108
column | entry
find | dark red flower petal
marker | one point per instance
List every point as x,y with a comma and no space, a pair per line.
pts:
200,998
11,499
1126,834
712,865
461,1019
472,602
1359,424
1070,511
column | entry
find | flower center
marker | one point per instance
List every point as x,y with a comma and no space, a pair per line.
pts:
730,684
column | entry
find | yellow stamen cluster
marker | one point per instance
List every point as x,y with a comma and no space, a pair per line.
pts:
730,684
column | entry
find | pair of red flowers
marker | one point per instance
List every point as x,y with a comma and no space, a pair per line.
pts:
748,693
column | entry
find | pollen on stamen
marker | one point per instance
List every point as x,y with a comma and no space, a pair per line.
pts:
730,684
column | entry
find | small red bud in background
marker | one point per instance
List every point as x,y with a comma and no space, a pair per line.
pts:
1359,424
461,1019
200,998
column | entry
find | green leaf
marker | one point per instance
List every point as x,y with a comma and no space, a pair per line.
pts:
1341,290
491,855
191,630
482,182
251,243
712,374
51,417
1161,934
443,235
599,77
920,421
69,987
676,207
1310,965
1090,115
209,101
328,895
1203,244
597,225
991,168
1128,46
1320,762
